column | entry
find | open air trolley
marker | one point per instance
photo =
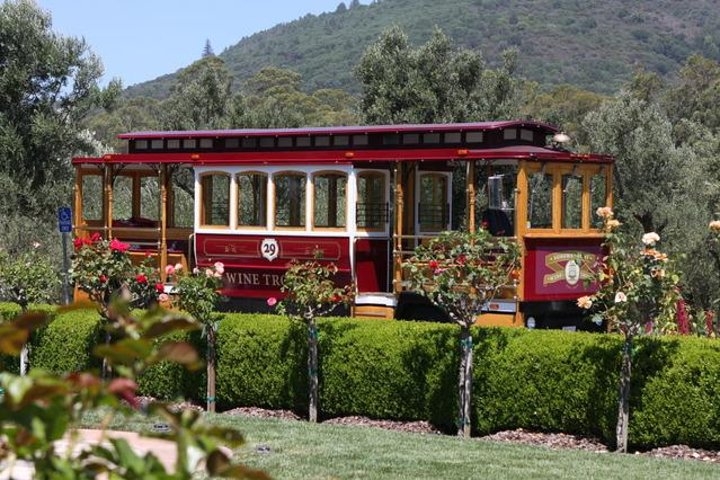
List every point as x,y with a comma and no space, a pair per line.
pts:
364,196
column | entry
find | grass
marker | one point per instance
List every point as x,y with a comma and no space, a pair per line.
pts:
300,450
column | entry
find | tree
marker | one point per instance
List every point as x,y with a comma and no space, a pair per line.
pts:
198,294
272,98
200,98
460,272
27,278
434,83
696,93
310,292
208,50
48,85
638,292
648,172
565,106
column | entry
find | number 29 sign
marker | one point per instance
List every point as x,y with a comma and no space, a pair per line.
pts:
269,248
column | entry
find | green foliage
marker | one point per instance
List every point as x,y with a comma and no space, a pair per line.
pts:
73,330
638,285
104,271
40,408
540,380
260,360
200,98
559,41
310,290
461,271
197,292
433,83
548,381
396,370
27,277
678,401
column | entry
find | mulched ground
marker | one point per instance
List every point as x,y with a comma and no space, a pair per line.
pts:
548,440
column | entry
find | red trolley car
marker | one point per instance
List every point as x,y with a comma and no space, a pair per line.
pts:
364,196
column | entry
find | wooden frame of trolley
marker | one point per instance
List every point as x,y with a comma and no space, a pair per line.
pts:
363,196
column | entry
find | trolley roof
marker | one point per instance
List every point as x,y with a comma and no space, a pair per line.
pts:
514,139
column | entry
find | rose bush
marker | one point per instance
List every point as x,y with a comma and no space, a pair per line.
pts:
198,293
638,294
310,292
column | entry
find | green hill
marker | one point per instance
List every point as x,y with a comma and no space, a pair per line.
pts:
594,45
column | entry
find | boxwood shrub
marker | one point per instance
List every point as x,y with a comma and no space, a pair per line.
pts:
67,343
538,380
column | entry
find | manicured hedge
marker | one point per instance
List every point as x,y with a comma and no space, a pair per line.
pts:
540,380
66,344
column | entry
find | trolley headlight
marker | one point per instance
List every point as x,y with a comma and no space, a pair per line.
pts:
530,322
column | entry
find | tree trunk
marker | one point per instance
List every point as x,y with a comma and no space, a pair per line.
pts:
24,358
106,368
211,369
313,370
465,381
621,430
25,352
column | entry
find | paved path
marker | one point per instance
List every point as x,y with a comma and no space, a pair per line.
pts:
163,449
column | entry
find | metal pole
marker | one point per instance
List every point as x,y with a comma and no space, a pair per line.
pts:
66,267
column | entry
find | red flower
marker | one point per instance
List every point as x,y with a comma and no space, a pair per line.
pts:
433,264
95,237
160,288
118,246
461,260
141,278
103,278
78,243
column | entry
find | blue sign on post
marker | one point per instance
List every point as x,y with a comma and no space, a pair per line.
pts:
64,219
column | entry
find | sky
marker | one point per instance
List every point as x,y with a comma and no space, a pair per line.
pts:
139,40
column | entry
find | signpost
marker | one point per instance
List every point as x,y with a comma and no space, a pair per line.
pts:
65,227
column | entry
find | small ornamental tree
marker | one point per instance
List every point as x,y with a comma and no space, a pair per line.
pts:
638,292
460,272
198,294
105,272
310,292
24,279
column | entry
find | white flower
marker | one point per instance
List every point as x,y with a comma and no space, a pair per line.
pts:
620,297
585,302
715,225
650,239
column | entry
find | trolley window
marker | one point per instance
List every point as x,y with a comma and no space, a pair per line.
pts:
598,191
540,200
252,199
329,200
92,197
372,204
290,199
433,206
215,199
572,188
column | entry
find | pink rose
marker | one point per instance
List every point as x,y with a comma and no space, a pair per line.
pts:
272,301
169,270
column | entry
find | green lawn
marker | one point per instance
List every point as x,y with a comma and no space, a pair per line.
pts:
299,450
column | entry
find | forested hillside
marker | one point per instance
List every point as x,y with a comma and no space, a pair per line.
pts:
593,45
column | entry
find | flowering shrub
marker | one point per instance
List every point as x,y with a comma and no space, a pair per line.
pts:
460,272
310,290
105,272
639,288
638,294
38,410
198,293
